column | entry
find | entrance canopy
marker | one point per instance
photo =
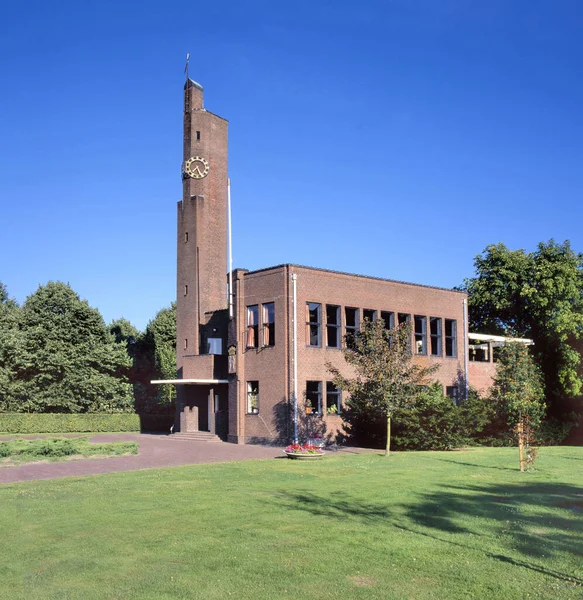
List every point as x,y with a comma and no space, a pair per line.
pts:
189,381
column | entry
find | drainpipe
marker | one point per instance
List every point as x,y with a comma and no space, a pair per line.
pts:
295,354
466,353
230,285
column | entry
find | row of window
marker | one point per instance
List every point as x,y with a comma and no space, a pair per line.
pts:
436,340
313,395
318,403
332,328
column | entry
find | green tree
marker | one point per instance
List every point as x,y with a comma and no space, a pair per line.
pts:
64,358
538,295
156,359
9,314
518,387
387,379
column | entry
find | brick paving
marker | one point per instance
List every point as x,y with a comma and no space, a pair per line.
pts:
156,451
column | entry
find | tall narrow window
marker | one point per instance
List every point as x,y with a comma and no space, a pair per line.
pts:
420,335
435,331
185,237
186,290
252,397
450,338
369,314
313,322
388,318
404,318
332,326
351,320
253,326
198,136
313,397
333,398
269,324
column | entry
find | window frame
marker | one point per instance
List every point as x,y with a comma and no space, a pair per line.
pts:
337,393
451,338
252,390
333,327
310,401
438,336
373,313
317,324
267,325
350,331
252,329
422,335
390,322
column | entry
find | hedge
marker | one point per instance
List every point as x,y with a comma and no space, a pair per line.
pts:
67,423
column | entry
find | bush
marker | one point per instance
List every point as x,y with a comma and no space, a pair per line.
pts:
433,423
67,423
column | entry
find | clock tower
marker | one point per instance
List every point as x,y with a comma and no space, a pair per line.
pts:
201,295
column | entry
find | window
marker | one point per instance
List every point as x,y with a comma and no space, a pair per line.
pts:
198,136
185,343
451,391
269,324
435,332
388,318
351,320
332,326
369,314
214,346
185,237
313,397
333,398
404,318
252,397
479,352
313,322
450,338
420,335
186,290
252,326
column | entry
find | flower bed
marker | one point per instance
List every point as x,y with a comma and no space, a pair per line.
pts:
303,451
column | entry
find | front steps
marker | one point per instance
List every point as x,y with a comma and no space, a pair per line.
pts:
195,436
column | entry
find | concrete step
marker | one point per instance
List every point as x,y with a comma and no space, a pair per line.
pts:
194,436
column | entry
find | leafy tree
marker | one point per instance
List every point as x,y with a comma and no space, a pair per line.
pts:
64,359
538,295
518,386
387,376
9,314
156,359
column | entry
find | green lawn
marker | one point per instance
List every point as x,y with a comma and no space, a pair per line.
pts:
417,525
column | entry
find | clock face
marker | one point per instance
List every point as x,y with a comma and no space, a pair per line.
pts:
196,167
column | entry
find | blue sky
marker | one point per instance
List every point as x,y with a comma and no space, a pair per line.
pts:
394,139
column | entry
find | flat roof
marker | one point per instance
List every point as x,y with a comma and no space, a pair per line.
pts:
433,287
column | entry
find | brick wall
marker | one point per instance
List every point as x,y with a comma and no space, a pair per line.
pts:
272,367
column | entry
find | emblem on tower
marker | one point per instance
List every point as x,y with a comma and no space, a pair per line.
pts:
196,167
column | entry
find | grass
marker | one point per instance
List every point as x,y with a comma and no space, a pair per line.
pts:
417,525
22,450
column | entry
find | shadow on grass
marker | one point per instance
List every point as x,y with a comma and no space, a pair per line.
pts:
535,520
481,466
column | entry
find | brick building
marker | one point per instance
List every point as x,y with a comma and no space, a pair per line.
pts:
244,358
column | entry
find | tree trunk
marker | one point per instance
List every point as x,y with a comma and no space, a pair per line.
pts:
388,447
521,445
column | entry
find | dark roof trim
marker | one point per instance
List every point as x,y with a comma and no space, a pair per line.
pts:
433,287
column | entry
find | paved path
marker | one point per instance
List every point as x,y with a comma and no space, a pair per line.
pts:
156,451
